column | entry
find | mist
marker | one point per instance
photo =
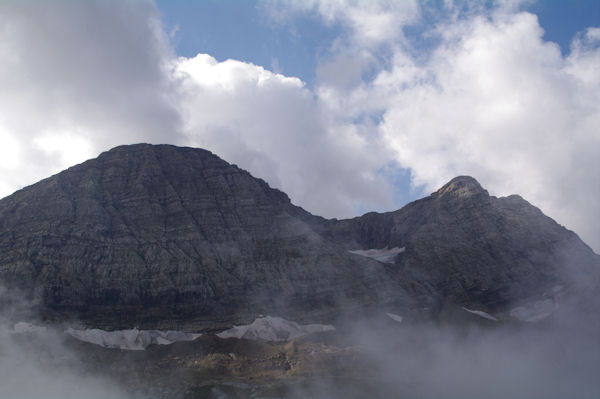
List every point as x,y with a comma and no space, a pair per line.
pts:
428,362
35,361
434,362
558,357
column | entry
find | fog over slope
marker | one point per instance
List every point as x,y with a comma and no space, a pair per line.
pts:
555,358
489,96
459,294
549,361
36,363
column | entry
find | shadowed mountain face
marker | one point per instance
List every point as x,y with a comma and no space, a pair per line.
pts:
474,249
151,234
164,236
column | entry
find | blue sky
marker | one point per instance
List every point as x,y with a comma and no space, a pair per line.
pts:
348,106
238,29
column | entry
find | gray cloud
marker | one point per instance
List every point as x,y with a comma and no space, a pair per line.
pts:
522,119
272,125
80,77
488,98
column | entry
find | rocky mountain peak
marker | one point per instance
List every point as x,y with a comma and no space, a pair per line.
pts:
164,236
160,236
461,187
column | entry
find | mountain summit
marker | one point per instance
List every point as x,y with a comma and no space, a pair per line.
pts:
462,187
165,236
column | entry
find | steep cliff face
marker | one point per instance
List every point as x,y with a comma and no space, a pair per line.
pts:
164,236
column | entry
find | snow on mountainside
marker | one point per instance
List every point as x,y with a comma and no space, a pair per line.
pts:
133,339
274,329
385,255
481,313
394,317
26,328
535,311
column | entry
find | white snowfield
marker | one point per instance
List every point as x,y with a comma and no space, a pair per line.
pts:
274,329
384,255
394,317
534,311
481,313
266,328
133,339
24,327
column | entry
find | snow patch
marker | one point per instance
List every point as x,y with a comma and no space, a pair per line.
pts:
273,329
481,313
133,339
394,317
534,311
557,289
24,327
385,255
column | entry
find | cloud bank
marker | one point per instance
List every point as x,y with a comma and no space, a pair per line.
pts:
440,92
76,78
273,126
484,95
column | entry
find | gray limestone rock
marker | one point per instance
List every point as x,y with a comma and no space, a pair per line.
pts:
165,237
474,249
161,236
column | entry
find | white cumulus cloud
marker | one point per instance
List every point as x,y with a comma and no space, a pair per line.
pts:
469,90
77,78
487,96
273,126
496,101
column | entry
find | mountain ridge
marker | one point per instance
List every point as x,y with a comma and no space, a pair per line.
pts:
165,236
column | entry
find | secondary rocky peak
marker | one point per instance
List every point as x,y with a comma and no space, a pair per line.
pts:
461,187
472,248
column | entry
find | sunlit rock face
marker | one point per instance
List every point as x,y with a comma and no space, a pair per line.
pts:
171,238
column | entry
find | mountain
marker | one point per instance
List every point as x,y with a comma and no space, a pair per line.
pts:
474,249
154,235
163,237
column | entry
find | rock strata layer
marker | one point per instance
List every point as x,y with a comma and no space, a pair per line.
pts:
166,237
